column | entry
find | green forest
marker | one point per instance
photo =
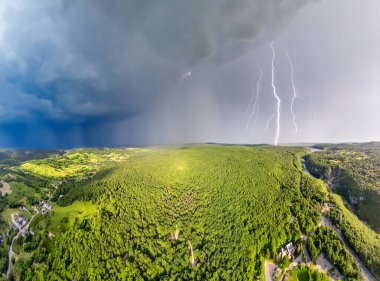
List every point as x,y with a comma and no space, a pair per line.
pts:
202,212
354,171
326,241
232,204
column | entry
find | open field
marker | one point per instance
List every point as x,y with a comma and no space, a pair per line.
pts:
20,194
63,218
77,163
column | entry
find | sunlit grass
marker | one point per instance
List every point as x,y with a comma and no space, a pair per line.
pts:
76,163
64,217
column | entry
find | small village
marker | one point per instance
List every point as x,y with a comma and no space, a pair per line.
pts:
21,225
19,222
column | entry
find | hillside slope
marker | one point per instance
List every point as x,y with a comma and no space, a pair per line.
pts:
353,171
232,204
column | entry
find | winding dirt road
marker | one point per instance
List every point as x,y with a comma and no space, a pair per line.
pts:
366,273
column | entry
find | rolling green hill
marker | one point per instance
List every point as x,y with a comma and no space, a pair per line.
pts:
233,205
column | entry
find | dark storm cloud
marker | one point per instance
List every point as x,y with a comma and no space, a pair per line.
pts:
87,64
194,31
116,72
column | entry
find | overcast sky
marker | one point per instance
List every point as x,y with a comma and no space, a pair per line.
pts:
138,72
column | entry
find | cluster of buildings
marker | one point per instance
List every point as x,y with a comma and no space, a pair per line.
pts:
25,231
45,207
20,222
17,225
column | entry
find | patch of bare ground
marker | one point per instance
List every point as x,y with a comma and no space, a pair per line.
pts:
6,188
271,271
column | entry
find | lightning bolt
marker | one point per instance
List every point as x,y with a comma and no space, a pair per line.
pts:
312,105
258,88
268,121
278,115
294,94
